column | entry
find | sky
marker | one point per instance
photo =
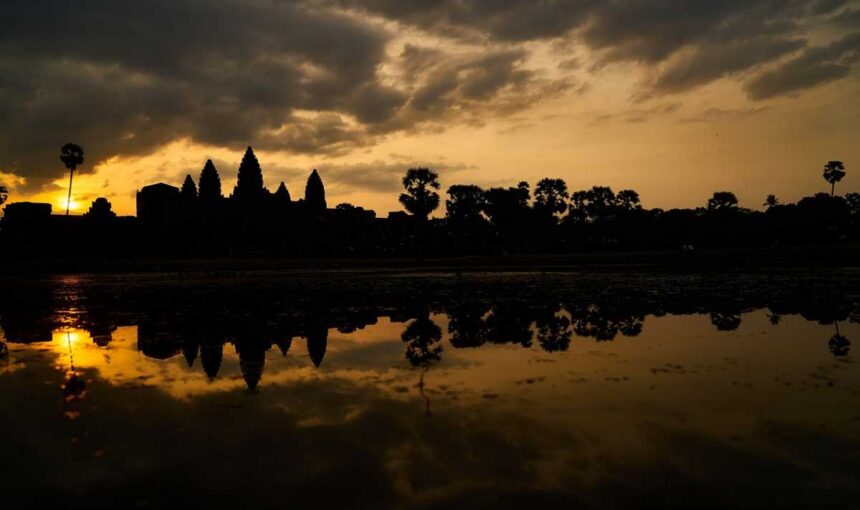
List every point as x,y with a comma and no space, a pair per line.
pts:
673,98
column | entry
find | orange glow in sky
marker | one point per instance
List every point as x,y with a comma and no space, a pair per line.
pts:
747,100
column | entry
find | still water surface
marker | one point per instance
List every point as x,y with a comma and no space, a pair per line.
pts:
122,393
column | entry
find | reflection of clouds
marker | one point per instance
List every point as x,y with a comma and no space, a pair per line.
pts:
604,443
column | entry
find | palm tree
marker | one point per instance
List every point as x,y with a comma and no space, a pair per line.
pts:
771,201
71,155
834,171
722,200
4,194
551,196
420,198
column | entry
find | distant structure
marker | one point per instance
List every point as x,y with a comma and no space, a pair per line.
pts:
249,183
28,216
209,190
198,220
100,210
157,206
315,194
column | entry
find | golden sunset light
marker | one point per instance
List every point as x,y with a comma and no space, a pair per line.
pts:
414,254
491,96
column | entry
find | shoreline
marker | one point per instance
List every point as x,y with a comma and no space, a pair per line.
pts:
716,260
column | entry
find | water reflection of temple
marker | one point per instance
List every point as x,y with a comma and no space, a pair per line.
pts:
259,323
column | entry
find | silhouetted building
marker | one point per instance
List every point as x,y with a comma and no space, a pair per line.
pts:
210,184
190,350
315,194
249,184
317,341
211,354
157,340
100,211
282,195
157,206
27,217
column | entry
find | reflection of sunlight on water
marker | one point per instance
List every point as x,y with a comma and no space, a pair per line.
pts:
679,367
121,363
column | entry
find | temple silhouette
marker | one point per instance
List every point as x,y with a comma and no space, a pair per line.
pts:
193,218
198,219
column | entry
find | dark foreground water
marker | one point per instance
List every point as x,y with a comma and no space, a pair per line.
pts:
412,391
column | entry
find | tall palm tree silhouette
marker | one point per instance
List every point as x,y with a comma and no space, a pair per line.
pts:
71,155
771,201
834,171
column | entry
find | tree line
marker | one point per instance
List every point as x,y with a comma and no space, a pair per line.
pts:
547,218
550,218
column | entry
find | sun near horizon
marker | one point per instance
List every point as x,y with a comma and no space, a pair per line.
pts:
675,103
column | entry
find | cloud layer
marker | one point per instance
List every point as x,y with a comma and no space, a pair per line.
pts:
326,77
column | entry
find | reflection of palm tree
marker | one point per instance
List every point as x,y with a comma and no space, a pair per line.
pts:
74,386
631,326
421,392
509,324
422,336
839,345
554,332
602,325
72,155
725,321
466,325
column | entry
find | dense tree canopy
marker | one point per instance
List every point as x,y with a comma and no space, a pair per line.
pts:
722,200
465,204
551,196
420,197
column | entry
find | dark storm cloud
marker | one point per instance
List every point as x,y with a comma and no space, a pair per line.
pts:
710,62
513,20
687,43
472,87
123,77
814,66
